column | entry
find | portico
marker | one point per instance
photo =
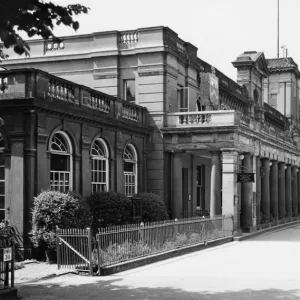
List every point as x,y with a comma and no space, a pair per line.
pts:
228,148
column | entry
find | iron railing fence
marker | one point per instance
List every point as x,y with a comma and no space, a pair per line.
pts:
75,248
123,243
7,274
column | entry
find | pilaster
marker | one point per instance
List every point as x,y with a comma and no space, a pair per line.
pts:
215,184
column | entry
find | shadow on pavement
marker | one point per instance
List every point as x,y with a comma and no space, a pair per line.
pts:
102,289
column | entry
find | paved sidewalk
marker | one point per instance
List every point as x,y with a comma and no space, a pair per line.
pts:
264,267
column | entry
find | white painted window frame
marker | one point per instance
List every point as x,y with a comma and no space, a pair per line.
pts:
127,175
69,153
104,158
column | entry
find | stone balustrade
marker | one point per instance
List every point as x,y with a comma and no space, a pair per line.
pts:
130,112
203,119
32,83
128,37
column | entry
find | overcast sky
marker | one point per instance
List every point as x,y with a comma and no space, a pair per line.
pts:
220,29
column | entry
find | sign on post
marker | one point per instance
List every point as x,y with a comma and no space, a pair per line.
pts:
7,254
245,177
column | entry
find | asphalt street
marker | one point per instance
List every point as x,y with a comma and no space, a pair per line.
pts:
264,267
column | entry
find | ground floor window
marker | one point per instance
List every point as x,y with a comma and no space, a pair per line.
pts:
200,204
100,170
130,170
60,163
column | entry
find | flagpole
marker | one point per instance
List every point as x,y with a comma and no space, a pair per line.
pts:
277,28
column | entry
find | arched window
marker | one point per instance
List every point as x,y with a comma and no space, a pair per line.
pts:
130,170
2,180
61,162
100,169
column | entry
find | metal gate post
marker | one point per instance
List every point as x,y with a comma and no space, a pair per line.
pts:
58,248
90,250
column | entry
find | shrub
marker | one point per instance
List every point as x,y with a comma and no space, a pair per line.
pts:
51,209
153,208
109,208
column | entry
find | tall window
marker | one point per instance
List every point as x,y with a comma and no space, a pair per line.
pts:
130,170
129,90
273,100
100,174
183,98
61,162
200,187
2,180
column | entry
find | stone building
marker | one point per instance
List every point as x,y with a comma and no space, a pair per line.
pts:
207,129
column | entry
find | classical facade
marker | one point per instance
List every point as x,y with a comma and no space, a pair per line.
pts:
206,128
67,137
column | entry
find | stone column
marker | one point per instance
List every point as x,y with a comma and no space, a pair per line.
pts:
215,184
298,189
294,191
265,188
176,186
258,189
29,170
247,195
230,205
288,190
274,190
281,190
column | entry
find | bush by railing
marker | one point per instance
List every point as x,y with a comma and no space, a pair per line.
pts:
77,248
123,243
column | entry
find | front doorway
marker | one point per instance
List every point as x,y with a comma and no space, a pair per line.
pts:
185,192
200,191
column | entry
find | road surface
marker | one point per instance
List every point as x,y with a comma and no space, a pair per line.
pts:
265,267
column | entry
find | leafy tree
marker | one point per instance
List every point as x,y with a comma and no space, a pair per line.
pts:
36,18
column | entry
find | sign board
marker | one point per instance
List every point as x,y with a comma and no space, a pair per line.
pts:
7,254
209,89
245,177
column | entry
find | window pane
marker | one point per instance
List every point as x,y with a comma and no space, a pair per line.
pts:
1,172
1,159
128,167
2,203
129,90
2,188
59,162
2,215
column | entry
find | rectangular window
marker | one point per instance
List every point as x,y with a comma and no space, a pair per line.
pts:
200,184
182,98
2,187
99,175
273,100
129,90
60,173
130,178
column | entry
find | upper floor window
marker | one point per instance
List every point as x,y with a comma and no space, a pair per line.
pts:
2,180
182,98
54,46
130,170
61,165
255,95
273,100
129,90
100,170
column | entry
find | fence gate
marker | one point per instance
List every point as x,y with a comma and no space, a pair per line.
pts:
74,249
